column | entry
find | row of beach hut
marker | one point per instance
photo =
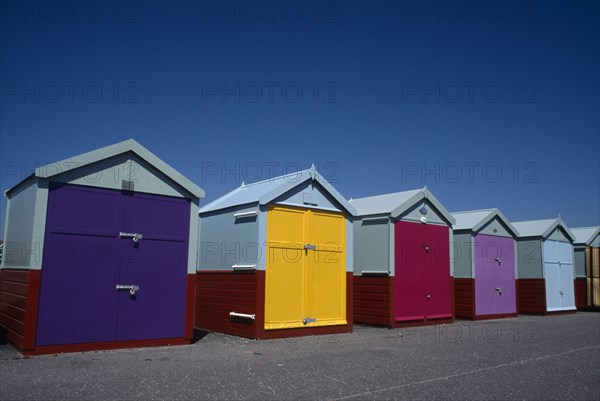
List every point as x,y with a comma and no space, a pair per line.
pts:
110,249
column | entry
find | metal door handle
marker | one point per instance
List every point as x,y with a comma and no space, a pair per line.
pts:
561,293
309,320
498,260
132,288
499,290
428,296
134,236
310,247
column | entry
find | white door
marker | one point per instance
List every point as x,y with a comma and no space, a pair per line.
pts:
552,276
565,259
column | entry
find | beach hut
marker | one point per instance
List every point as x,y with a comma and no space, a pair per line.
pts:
402,260
274,259
545,282
100,252
484,265
587,267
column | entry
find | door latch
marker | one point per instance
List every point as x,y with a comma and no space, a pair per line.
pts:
498,260
134,236
309,320
133,289
426,248
310,247
561,293
499,290
428,296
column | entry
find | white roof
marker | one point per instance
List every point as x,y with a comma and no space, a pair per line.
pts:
106,152
541,228
585,235
263,192
475,220
397,203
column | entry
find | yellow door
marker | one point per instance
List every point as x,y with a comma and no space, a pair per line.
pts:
326,272
305,270
284,282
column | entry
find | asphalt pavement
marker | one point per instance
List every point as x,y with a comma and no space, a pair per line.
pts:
524,358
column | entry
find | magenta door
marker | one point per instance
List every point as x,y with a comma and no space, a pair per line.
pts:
409,279
494,275
88,252
422,286
436,262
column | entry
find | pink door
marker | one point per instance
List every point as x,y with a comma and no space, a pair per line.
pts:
409,297
436,262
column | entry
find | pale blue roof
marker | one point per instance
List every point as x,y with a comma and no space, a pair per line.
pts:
106,152
541,228
397,203
475,220
585,235
263,192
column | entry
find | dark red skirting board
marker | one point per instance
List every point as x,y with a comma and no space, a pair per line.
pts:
19,298
464,298
372,300
220,292
57,349
532,296
581,293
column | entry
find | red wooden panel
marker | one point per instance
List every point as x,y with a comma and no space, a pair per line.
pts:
189,306
218,294
464,297
372,300
532,295
581,293
13,288
12,299
19,297
16,276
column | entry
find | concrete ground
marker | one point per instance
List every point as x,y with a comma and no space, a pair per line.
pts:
526,358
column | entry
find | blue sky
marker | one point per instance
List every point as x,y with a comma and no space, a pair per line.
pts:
489,104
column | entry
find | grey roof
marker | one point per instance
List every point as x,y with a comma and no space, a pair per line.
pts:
541,228
263,192
475,220
585,235
106,152
397,203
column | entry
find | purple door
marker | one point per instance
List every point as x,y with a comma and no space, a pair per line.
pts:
85,257
494,275
157,264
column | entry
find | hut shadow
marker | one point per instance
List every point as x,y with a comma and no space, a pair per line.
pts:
199,335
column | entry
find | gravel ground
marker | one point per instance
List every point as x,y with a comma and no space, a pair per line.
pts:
529,357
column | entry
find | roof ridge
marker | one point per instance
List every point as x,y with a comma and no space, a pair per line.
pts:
475,211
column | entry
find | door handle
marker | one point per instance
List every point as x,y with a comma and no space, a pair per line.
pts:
133,289
428,296
499,290
498,260
310,247
134,236
561,293
309,320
